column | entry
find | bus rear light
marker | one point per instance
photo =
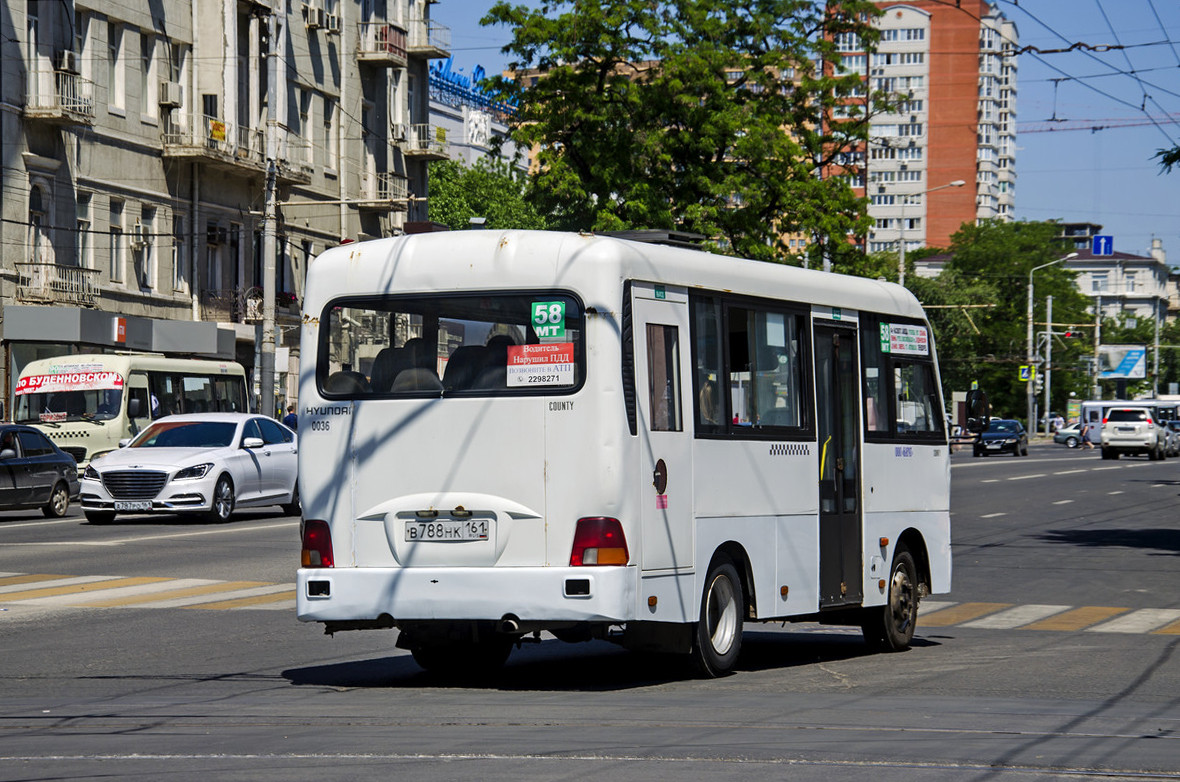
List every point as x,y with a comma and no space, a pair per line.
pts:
599,541
317,544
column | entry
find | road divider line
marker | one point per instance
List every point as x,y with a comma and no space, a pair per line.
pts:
208,588
1070,472
1016,616
1062,502
992,515
1144,620
1076,619
963,612
75,589
242,602
1113,493
1026,477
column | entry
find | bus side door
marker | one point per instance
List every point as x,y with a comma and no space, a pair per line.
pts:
837,387
662,363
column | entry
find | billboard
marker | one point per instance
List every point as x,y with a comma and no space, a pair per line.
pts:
1118,362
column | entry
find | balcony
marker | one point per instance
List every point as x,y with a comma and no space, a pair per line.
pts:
381,43
426,142
429,39
49,283
383,192
214,141
60,97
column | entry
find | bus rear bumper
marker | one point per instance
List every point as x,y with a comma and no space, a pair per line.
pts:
542,594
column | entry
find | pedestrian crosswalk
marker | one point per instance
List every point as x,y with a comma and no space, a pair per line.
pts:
49,590
1062,618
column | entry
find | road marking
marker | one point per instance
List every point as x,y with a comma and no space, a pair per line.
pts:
1062,502
1070,472
1016,616
1112,493
1172,629
185,602
286,595
1026,477
213,588
141,538
991,480
53,582
1100,469
17,580
992,515
71,520
1142,621
1076,619
95,583
114,594
962,612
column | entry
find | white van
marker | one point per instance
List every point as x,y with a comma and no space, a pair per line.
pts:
86,404
512,432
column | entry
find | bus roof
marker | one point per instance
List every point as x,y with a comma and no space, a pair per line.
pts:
125,362
593,265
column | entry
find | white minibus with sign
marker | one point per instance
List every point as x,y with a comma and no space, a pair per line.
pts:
86,404
514,432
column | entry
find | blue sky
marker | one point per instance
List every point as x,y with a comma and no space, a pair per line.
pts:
1124,77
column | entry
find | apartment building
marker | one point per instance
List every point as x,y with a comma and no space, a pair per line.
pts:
946,155
136,143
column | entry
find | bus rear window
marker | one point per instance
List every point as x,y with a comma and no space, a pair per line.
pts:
456,345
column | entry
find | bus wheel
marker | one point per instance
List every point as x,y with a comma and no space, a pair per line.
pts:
718,637
465,659
99,516
890,628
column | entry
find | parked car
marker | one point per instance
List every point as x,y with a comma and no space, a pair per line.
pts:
203,463
1003,435
1132,430
1069,436
1172,430
35,473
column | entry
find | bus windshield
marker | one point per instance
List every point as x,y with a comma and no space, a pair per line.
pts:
456,345
88,394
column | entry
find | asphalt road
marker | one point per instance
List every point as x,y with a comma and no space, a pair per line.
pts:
1054,657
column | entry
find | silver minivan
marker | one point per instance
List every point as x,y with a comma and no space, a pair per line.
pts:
1132,430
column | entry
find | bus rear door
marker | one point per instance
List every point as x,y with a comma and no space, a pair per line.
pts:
660,317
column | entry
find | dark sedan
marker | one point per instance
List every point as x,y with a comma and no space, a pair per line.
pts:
1002,436
35,473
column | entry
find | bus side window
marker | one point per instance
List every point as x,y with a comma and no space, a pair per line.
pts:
663,368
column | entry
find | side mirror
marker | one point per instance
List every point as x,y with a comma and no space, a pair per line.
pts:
252,442
978,411
8,453
134,408
123,443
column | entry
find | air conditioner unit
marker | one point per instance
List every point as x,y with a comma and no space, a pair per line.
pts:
315,17
332,22
171,94
138,237
67,61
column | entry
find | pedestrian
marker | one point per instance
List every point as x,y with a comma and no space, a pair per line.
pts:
1086,437
290,419
1058,423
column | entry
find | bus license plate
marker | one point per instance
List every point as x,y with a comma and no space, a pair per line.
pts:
447,530
133,505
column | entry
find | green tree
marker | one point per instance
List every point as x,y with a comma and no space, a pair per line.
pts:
490,189
990,265
699,115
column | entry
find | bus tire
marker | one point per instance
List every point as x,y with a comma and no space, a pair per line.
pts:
59,502
890,628
717,639
223,500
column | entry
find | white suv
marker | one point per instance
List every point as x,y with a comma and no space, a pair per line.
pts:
1132,430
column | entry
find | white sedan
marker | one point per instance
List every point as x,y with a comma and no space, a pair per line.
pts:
206,463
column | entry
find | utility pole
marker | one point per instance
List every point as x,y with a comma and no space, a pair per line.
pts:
266,362
1048,356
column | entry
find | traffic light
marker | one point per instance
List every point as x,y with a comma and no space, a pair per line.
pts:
1039,382
1071,333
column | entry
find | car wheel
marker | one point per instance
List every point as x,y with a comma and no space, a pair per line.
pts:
99,516
294,507
717,640
59,502
223,500
890,628
1071,442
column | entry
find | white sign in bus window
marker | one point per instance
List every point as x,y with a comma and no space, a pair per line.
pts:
541,365
906,340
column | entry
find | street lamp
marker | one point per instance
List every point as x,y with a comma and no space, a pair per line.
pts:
1030,388
901,227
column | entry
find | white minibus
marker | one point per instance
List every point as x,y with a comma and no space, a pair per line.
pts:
512,432
86,404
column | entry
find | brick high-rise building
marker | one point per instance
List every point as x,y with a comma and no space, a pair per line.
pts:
955,123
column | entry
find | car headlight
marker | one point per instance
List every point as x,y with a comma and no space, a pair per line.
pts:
197,471
91,474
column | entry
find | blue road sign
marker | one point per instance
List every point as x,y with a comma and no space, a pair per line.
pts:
1102,245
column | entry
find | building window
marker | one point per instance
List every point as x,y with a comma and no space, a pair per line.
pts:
143,248
149,81
117,245
116,69
40,222
1098,282
180,272
1130,278
331,150
85,243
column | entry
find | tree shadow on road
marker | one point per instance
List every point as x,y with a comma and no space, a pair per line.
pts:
1157,542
